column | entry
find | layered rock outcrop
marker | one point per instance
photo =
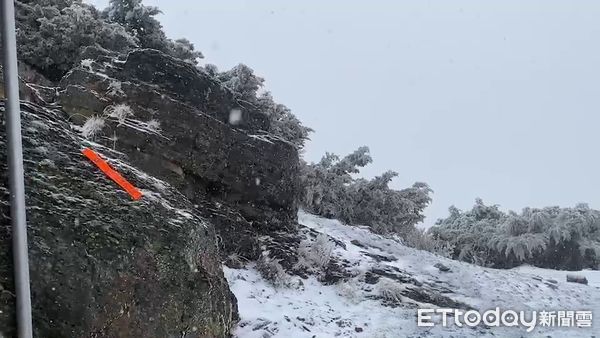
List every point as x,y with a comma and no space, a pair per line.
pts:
214,181
101,264
198,147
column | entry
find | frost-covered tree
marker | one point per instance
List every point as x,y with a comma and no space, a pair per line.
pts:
566,238
242,81
283,122
394,210
140,21
326,183
330,190
51,34
245,86
183,49
210,69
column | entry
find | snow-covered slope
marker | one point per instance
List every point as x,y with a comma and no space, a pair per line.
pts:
366,305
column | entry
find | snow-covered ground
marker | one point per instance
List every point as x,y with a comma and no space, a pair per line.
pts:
354,308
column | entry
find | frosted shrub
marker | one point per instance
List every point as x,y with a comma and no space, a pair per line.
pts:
53,35
422,240
242,81
551,237
477,256
234,260
283,122
272,271
331,190
92,126
350,290
246,86
87,64
390,291
115,88
211,69
315,255
120,112
153,125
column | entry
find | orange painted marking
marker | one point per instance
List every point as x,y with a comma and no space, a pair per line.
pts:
112,174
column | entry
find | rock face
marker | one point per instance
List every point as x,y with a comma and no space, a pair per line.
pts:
441,267
250,175
101,264
105,266
32,86
577,279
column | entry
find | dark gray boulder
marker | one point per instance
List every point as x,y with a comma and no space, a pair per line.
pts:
441,267
241,178
184,82
197,150
577,279
103,265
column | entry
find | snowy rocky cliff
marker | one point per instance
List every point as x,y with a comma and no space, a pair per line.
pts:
213,180
101,264
216,246
367,285
205,142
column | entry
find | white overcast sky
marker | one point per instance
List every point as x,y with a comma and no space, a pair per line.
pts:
491,99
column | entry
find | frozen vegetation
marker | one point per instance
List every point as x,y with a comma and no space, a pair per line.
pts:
355,307
359,266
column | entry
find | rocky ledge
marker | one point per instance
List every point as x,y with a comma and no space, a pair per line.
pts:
103,265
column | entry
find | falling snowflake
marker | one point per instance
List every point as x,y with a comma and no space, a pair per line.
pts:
235,116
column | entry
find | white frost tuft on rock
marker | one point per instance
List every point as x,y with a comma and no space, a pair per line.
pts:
92,127
120,112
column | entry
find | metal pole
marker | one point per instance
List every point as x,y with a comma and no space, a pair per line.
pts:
15,167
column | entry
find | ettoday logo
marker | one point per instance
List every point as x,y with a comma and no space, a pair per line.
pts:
508,318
